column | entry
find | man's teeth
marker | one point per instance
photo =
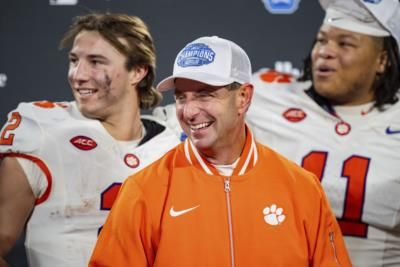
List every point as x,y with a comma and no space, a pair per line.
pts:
200,126
86,91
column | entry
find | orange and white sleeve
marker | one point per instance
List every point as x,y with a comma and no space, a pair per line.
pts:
327,240
21,137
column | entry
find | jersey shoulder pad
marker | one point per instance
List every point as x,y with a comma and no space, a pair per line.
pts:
273,76
170,122
23,131
167,114
46,111
270,79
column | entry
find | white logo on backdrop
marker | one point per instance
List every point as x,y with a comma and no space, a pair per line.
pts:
63,2
3,80
281,6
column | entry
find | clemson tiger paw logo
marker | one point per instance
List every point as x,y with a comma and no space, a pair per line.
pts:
273,215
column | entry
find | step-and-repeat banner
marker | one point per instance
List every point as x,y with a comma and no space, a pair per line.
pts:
275,33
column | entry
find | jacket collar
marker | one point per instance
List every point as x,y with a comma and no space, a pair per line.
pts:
247,160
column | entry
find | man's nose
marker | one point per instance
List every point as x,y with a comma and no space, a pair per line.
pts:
191,109
80,72
327,50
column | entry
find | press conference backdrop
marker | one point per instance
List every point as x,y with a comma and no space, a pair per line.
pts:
32,68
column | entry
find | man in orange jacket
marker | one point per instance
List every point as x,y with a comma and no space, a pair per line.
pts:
219,198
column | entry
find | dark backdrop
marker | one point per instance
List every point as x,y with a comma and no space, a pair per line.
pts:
32,67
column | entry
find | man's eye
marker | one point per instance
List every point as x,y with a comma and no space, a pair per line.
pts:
95,62
72,60
346,44
321,40
179,98
204,94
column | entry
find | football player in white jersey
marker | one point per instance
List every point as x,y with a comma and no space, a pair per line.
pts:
63,163
342,122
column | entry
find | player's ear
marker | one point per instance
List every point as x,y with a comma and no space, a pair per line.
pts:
382,61
137,74
245,95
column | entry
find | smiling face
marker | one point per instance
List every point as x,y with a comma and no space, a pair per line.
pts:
345,65
212,116
100,82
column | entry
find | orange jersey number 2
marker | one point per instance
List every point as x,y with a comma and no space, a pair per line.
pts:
7,137
108,197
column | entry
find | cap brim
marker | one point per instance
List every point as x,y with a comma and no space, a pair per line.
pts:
353,26
207,78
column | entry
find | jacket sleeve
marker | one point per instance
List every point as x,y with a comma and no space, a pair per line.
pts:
125,239
329,248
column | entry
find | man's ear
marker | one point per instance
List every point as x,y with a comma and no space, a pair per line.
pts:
245,97
138,73
382,62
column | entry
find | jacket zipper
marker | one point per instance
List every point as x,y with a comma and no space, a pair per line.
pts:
228,202
333,247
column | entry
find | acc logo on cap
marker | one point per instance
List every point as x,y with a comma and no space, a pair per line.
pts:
281,6
194,55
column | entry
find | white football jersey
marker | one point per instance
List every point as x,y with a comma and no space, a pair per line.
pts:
167,114
358,160
83,169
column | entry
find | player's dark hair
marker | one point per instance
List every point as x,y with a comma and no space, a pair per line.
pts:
139,48
386,85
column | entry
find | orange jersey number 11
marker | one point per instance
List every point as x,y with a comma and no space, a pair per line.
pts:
355,170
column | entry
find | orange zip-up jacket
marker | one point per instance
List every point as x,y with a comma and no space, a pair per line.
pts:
180,212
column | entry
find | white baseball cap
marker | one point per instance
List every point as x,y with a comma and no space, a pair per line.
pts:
210,60
371,17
